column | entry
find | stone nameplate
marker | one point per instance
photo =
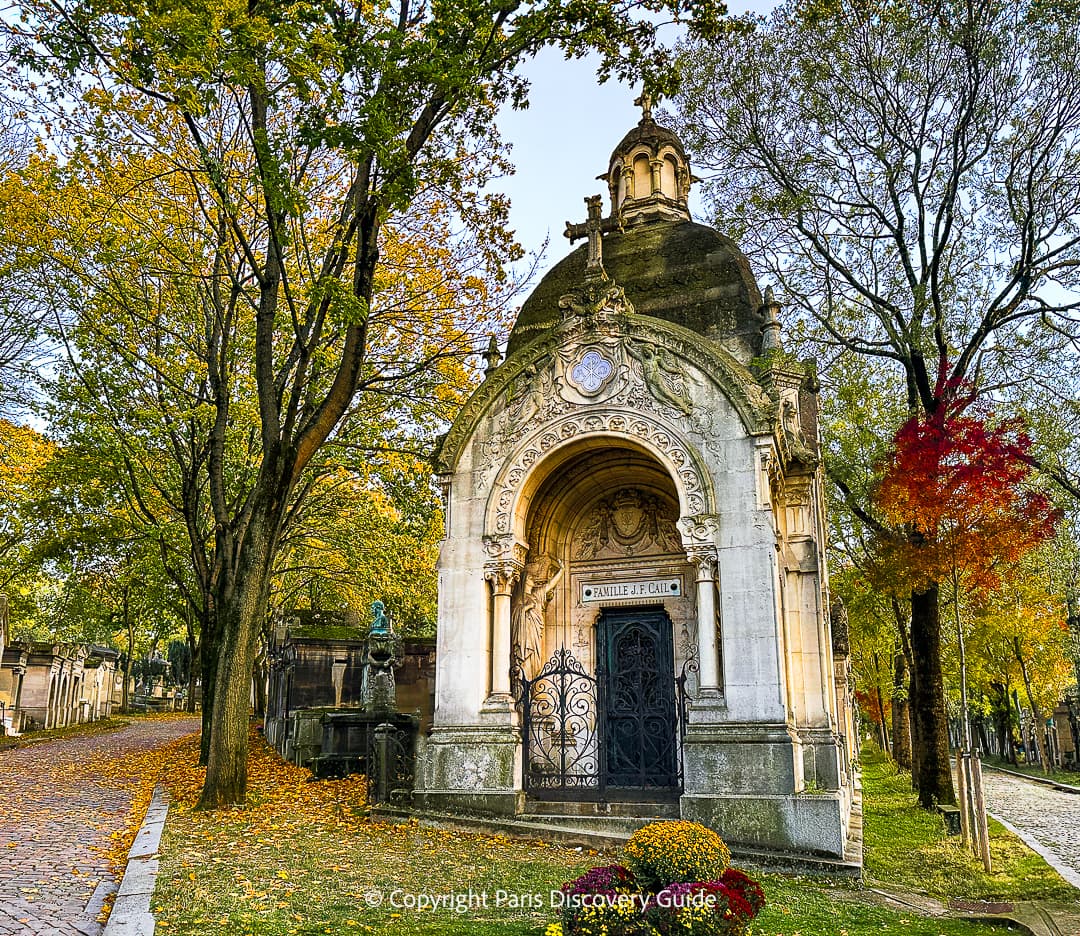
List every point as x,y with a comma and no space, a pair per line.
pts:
649,588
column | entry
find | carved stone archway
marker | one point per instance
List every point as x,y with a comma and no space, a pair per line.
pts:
543,451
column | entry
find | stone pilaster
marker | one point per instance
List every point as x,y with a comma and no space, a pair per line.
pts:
502,576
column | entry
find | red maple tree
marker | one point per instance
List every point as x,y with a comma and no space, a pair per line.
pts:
955,493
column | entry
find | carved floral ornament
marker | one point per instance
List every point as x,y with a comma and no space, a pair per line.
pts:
535,365
506,547
695,488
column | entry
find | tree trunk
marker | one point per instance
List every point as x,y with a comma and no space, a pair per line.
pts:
901,726
193,666
904,629
242,616
209,651
1000,714
913,694
933,781
882,727
125,700
1040,724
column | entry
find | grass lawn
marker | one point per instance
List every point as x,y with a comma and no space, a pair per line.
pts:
303,859
907,848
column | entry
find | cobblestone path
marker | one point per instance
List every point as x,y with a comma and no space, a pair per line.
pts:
60,803
1050,817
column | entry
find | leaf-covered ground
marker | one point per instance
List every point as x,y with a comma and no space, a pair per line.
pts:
304,859
69,810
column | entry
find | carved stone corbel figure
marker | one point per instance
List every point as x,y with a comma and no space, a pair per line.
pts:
542,577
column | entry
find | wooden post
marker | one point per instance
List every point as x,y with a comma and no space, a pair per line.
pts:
961,779
980,813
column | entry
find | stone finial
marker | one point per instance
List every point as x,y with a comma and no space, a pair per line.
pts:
492,357
770,330
645,102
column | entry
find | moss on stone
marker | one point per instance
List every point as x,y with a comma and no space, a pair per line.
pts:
681,272
326,632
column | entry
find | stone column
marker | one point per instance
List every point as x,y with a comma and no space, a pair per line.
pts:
17,675
502,576
705,563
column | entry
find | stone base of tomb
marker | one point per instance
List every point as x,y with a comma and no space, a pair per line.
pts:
803,823
748,783
474,770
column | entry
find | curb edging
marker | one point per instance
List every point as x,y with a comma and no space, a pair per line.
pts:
1045,781
131,914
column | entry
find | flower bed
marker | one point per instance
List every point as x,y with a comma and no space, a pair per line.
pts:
676,881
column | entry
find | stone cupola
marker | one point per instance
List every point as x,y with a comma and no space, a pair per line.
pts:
670,267
648,174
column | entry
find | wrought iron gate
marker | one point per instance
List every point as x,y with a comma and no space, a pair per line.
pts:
618,732
560,731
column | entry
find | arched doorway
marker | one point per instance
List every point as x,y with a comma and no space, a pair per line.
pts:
603,630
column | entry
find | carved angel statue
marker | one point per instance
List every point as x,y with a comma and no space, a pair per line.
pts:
533,390
542,577
655,362
594,535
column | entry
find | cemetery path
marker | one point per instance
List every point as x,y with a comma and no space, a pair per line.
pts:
67,808
1049,818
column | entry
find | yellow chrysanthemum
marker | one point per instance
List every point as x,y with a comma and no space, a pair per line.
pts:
664,853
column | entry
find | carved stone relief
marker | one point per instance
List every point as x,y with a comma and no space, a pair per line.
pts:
506,548
631,522
663,375
603,320
699,530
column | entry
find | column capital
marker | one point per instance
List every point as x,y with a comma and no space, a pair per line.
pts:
503,575
705,560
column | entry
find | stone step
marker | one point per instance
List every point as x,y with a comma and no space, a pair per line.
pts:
620,826
610,833
546,828
653,810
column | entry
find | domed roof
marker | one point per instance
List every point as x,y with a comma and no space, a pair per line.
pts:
678,271
650,133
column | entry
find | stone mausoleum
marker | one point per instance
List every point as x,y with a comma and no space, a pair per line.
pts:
632,591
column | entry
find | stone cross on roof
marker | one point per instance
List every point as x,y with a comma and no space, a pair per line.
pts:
594,227
645,102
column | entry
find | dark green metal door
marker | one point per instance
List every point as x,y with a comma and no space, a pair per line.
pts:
636,673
